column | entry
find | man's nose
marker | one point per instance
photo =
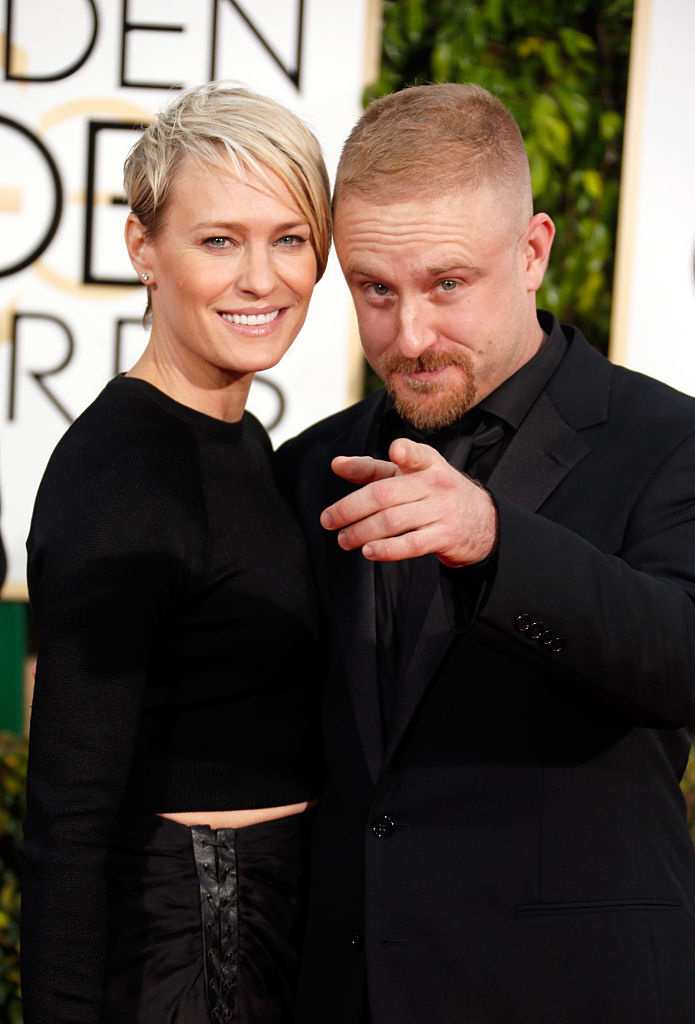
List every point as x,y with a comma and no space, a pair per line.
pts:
415,333
257,272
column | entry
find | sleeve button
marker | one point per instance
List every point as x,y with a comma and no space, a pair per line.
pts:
383,827
522,622
536,629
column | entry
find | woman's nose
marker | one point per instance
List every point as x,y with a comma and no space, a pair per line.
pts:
256,272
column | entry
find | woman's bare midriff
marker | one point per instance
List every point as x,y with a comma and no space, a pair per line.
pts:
237,819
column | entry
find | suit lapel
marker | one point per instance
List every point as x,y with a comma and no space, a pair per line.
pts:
351,594
548,444
427,650
352,578
541,454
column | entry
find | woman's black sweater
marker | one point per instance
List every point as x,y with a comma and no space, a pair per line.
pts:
176,625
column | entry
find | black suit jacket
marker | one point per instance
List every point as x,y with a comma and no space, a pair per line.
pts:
520,853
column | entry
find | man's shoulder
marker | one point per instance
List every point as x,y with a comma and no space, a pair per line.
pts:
588,380
663,396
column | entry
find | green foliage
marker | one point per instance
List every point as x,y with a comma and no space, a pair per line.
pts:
561,68
13,766
688,787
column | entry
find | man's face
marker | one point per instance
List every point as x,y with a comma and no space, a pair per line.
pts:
444,291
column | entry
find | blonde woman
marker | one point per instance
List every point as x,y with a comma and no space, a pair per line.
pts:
173,748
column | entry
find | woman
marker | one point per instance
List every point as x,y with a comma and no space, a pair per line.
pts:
173,753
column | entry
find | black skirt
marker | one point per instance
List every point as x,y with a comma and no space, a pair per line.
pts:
204,924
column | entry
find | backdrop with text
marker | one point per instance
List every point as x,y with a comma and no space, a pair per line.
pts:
78,78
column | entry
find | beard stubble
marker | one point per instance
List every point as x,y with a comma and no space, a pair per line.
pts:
429,405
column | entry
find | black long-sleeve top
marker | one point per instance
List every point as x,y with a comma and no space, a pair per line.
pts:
176,626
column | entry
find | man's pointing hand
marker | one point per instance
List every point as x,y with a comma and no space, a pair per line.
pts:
413,505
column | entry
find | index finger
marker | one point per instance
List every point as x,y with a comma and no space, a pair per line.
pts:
411,456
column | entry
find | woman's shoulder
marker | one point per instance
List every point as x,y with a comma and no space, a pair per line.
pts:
123,460
124,414
123,429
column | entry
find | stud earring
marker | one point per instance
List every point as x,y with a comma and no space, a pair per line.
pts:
145,276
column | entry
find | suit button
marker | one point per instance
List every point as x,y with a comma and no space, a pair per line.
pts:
535,630
558,644
522,622
383,827
357,940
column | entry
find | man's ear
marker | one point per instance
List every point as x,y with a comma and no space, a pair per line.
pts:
138,246
536,245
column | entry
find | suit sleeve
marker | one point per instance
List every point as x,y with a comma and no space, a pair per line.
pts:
618,628
105,571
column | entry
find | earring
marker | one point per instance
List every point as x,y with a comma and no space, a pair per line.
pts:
145,276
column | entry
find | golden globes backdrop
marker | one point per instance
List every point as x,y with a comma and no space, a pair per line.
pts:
654,300
78,77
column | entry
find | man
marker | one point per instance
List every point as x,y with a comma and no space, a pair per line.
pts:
505,546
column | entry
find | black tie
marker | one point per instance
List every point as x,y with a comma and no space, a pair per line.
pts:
459,448
402,586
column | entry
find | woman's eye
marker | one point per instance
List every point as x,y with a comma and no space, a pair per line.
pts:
292,240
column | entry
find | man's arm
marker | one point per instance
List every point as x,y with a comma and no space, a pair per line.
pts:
626,619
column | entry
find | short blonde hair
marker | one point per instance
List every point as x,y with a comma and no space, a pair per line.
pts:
434,138
218,123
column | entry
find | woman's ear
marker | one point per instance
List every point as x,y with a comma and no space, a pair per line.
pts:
138,246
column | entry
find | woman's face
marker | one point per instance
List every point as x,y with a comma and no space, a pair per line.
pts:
232,271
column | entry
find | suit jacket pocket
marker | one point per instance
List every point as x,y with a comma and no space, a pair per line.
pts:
595,907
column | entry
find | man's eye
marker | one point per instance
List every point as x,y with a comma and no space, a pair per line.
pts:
379,289
448,284
217,242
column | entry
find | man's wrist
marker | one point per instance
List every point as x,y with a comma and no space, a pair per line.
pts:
481,539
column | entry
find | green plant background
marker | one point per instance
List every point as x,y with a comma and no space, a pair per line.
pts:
13,762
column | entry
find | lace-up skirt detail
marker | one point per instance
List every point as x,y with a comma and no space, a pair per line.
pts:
204,923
